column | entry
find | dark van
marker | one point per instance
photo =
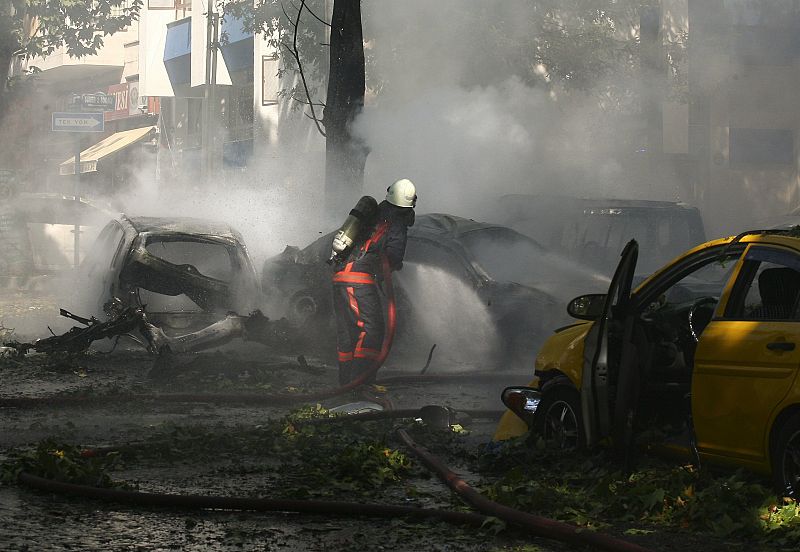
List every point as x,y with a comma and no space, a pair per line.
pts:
594,231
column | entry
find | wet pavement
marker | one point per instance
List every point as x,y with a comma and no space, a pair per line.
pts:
34,520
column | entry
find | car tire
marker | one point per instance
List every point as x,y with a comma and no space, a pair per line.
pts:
559,420
306,306
786,458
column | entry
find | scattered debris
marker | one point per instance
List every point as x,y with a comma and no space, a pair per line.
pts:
125,319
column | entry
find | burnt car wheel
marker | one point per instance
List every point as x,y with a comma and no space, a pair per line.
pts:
306,306
786,458
559,418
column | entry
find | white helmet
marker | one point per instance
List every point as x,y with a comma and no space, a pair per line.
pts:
402,193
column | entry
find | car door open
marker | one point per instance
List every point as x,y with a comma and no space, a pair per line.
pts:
596,391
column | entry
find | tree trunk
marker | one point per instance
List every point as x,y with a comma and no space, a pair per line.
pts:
345,155
5,66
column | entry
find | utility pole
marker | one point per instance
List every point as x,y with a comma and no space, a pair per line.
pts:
210,115
76,230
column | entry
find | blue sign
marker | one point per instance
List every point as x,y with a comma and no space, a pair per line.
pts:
78,122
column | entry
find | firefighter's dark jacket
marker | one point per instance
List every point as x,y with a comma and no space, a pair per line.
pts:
387,236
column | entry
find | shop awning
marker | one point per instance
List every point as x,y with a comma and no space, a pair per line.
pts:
102,149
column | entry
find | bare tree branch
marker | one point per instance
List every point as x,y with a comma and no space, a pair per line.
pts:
314,15
286,14
298,100
296,54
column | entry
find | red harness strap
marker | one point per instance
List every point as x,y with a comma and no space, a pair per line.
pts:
380,230
345,277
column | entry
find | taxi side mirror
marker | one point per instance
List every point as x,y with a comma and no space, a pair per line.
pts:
587,307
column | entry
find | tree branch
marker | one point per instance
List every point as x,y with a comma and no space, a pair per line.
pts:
315,16
286,14
298,100
296,54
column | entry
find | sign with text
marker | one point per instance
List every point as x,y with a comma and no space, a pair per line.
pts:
78,122
120,109
98,101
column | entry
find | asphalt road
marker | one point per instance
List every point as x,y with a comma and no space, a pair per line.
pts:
38,521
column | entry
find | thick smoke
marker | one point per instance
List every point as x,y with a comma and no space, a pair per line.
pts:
467,130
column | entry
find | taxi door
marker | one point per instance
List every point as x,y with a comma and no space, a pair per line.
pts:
599,360
748,356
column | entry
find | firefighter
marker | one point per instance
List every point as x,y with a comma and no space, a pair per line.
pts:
357,301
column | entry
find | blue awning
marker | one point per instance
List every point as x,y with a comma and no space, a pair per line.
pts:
237,45
178,51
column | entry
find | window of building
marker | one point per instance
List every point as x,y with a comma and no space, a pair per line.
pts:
161,4
269,79
764,33
774,13
761,146
762,45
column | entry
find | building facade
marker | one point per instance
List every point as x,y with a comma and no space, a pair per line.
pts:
211,114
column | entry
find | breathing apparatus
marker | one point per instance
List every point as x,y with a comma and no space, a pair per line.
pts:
361,216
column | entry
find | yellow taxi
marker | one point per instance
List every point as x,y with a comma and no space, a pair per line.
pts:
705,349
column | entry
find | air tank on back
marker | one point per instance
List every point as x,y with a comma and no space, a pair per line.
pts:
361,216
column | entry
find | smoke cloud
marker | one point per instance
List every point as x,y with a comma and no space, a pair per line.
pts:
467,131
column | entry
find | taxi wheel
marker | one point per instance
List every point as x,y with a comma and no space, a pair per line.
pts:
559,418
786,458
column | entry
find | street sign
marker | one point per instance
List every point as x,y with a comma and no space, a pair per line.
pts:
98,101
78,122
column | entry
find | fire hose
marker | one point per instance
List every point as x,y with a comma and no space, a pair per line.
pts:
536,525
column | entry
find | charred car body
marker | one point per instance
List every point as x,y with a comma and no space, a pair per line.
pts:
179,282
462,278
187,272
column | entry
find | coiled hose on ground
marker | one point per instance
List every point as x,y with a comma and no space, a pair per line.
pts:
537,525
437,416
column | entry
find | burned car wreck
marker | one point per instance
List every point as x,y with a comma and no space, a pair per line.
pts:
187,272
180,283
471,284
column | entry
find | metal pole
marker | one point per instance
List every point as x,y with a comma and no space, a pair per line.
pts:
215,119
207,96
77,229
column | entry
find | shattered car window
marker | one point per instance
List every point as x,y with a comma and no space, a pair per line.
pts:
210,259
